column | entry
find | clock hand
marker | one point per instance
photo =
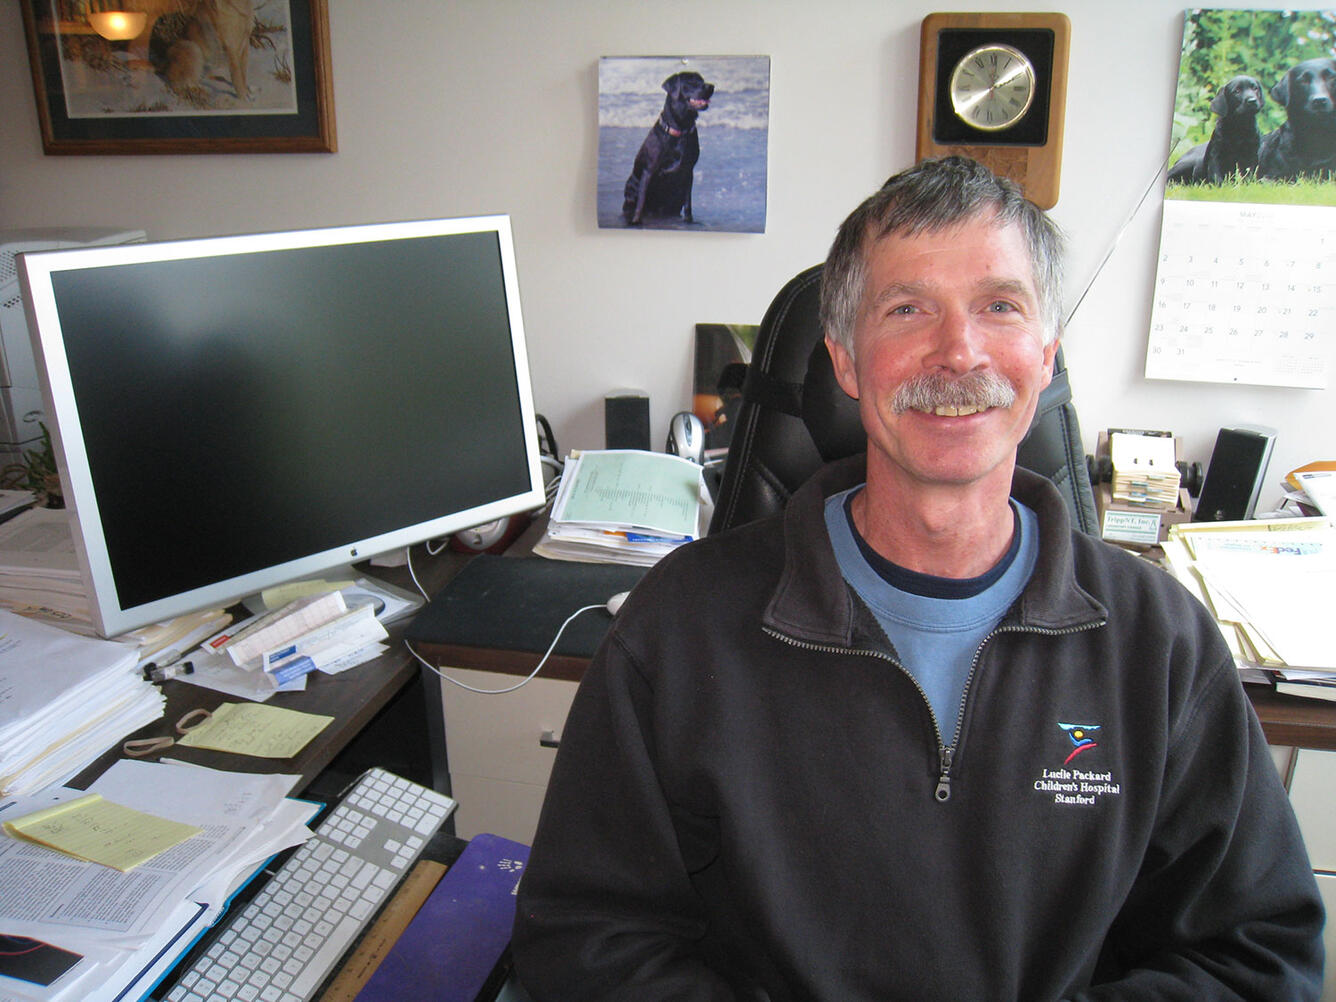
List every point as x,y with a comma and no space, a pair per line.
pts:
1009,76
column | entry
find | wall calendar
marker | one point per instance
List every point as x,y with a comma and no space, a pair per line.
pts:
1244,294
1245,290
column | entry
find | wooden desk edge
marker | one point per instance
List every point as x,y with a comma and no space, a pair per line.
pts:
1293,720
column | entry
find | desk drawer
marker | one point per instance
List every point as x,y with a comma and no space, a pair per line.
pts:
496,807
499,736
1326,885
1311,793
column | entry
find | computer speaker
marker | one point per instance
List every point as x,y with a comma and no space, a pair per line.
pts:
626,420
1234,477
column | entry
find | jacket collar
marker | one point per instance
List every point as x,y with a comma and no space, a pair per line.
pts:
811,602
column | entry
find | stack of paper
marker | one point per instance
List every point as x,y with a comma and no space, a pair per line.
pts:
1313,487
1143,469
109,935
165,643
625,506
1269,583
64,700
39,571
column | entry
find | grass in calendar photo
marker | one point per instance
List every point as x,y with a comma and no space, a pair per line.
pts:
1255,109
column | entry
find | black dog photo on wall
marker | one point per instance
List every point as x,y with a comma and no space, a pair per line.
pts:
682,142
1255,108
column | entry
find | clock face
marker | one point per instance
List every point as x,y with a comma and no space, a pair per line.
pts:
992,87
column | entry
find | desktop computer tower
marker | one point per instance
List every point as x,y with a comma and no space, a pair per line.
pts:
21,407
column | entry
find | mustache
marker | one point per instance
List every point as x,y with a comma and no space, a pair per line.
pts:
929,391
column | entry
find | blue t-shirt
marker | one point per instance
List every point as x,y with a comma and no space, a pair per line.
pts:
935,624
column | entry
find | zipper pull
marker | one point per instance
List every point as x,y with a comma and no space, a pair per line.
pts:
943,791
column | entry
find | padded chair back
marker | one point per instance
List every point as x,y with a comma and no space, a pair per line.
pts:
794,417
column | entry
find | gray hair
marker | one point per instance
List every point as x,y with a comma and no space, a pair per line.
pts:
929,197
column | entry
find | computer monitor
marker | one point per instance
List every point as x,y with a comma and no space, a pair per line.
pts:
236,412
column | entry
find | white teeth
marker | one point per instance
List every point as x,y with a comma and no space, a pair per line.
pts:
947,411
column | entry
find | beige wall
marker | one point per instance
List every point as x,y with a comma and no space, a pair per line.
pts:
454,108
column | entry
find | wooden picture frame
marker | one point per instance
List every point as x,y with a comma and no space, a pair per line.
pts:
178,87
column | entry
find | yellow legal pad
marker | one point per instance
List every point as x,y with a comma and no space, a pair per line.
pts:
256,729
99,831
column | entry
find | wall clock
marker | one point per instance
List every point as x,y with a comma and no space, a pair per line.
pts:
993,86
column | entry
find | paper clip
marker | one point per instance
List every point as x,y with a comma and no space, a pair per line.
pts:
139,747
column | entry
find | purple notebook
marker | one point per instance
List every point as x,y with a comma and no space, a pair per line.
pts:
452,944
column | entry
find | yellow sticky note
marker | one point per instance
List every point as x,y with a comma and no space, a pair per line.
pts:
256,729
99,831
281,595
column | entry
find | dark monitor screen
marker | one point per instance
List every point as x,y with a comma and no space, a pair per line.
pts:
241,411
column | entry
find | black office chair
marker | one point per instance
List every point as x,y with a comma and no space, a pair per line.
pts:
794,417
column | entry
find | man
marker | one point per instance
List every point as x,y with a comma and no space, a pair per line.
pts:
916,738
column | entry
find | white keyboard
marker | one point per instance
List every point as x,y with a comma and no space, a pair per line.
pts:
284,942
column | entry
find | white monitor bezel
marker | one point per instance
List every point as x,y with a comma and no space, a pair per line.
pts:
108,616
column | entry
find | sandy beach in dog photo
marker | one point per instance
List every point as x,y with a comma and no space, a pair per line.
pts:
682,142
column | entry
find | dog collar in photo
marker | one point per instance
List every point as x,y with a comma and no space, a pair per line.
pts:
675,133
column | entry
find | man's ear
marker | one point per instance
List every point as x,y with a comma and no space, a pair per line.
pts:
843,363
1050,355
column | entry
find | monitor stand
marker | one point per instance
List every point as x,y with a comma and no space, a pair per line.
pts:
392,602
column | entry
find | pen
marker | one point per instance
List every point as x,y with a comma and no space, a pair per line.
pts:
154,673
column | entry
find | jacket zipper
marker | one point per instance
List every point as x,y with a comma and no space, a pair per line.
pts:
945,753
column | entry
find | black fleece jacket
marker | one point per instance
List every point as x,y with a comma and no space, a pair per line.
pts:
752,801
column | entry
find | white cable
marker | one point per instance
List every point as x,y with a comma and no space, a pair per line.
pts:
408,559
528,678
1118,237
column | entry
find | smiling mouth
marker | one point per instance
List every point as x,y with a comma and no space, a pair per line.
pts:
954,397
945,410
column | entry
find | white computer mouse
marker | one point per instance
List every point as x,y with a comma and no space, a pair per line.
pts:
686,437
616,601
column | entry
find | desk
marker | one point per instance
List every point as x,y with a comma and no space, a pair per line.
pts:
383,713
1293,720
383,693
353,698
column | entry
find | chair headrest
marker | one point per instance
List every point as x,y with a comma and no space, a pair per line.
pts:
831,415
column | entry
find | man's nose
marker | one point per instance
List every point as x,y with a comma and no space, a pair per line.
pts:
958,343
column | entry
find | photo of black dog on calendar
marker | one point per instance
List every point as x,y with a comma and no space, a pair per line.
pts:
1255,109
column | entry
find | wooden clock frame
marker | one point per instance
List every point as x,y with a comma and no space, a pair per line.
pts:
1030,152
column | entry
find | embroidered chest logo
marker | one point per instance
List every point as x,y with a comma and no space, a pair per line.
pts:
1081,739
1078,787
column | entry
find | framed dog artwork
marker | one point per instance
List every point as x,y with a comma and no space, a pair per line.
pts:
682,142
194,77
